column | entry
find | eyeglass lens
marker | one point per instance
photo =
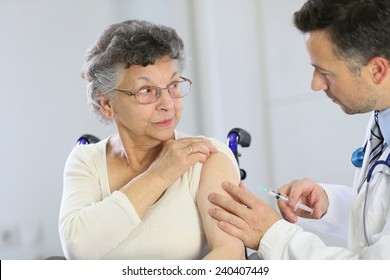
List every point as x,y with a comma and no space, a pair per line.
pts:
176,90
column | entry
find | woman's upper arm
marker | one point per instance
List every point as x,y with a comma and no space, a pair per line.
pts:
217,169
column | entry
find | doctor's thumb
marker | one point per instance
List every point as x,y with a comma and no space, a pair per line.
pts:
288,214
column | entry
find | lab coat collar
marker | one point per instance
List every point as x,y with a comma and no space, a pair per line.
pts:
384,124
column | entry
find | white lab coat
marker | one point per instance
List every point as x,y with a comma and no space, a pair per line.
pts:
288,241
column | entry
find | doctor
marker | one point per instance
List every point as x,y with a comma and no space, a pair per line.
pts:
348,43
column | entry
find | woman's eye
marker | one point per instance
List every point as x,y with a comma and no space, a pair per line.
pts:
174,85
146,91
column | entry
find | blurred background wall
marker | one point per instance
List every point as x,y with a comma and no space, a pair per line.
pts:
250,70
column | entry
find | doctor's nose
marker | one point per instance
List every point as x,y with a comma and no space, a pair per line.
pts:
318,81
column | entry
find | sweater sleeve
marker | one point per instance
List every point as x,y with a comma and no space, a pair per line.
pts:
92,221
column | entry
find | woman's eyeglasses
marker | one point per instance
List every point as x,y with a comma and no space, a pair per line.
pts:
150,94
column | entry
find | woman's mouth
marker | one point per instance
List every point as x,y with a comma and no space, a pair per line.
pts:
163,123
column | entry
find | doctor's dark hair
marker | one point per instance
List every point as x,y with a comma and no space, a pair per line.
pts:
358,29
120,46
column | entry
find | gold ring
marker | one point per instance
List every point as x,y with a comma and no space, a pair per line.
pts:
191,150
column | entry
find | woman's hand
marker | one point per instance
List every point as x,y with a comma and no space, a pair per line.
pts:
307,192
177,156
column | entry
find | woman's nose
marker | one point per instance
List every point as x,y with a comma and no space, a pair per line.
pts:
165,101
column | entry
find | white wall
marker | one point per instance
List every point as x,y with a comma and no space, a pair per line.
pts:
43,113
249,68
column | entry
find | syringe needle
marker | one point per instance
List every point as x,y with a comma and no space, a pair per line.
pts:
285,198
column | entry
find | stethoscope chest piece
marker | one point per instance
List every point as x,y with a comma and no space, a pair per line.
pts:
357,157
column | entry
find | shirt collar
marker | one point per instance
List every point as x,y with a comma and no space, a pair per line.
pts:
384,124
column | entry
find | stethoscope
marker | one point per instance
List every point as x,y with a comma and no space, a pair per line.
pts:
357,161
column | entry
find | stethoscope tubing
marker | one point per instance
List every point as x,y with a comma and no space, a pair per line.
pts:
357,160
372,168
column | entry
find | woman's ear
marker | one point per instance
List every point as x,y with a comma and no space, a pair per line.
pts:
379,69
106,108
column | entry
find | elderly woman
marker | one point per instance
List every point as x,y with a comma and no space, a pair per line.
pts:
142,192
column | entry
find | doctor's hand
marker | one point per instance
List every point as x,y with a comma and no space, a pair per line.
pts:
307,192
245,216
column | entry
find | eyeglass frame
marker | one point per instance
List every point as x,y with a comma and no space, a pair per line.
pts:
159,91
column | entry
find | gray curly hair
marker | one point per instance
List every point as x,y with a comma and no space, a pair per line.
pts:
118,47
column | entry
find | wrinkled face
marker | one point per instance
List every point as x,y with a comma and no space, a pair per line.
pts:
354,93
147,122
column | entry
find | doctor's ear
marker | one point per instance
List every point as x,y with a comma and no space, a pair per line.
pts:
379,69
106,107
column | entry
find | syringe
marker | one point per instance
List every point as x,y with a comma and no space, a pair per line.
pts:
285,198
